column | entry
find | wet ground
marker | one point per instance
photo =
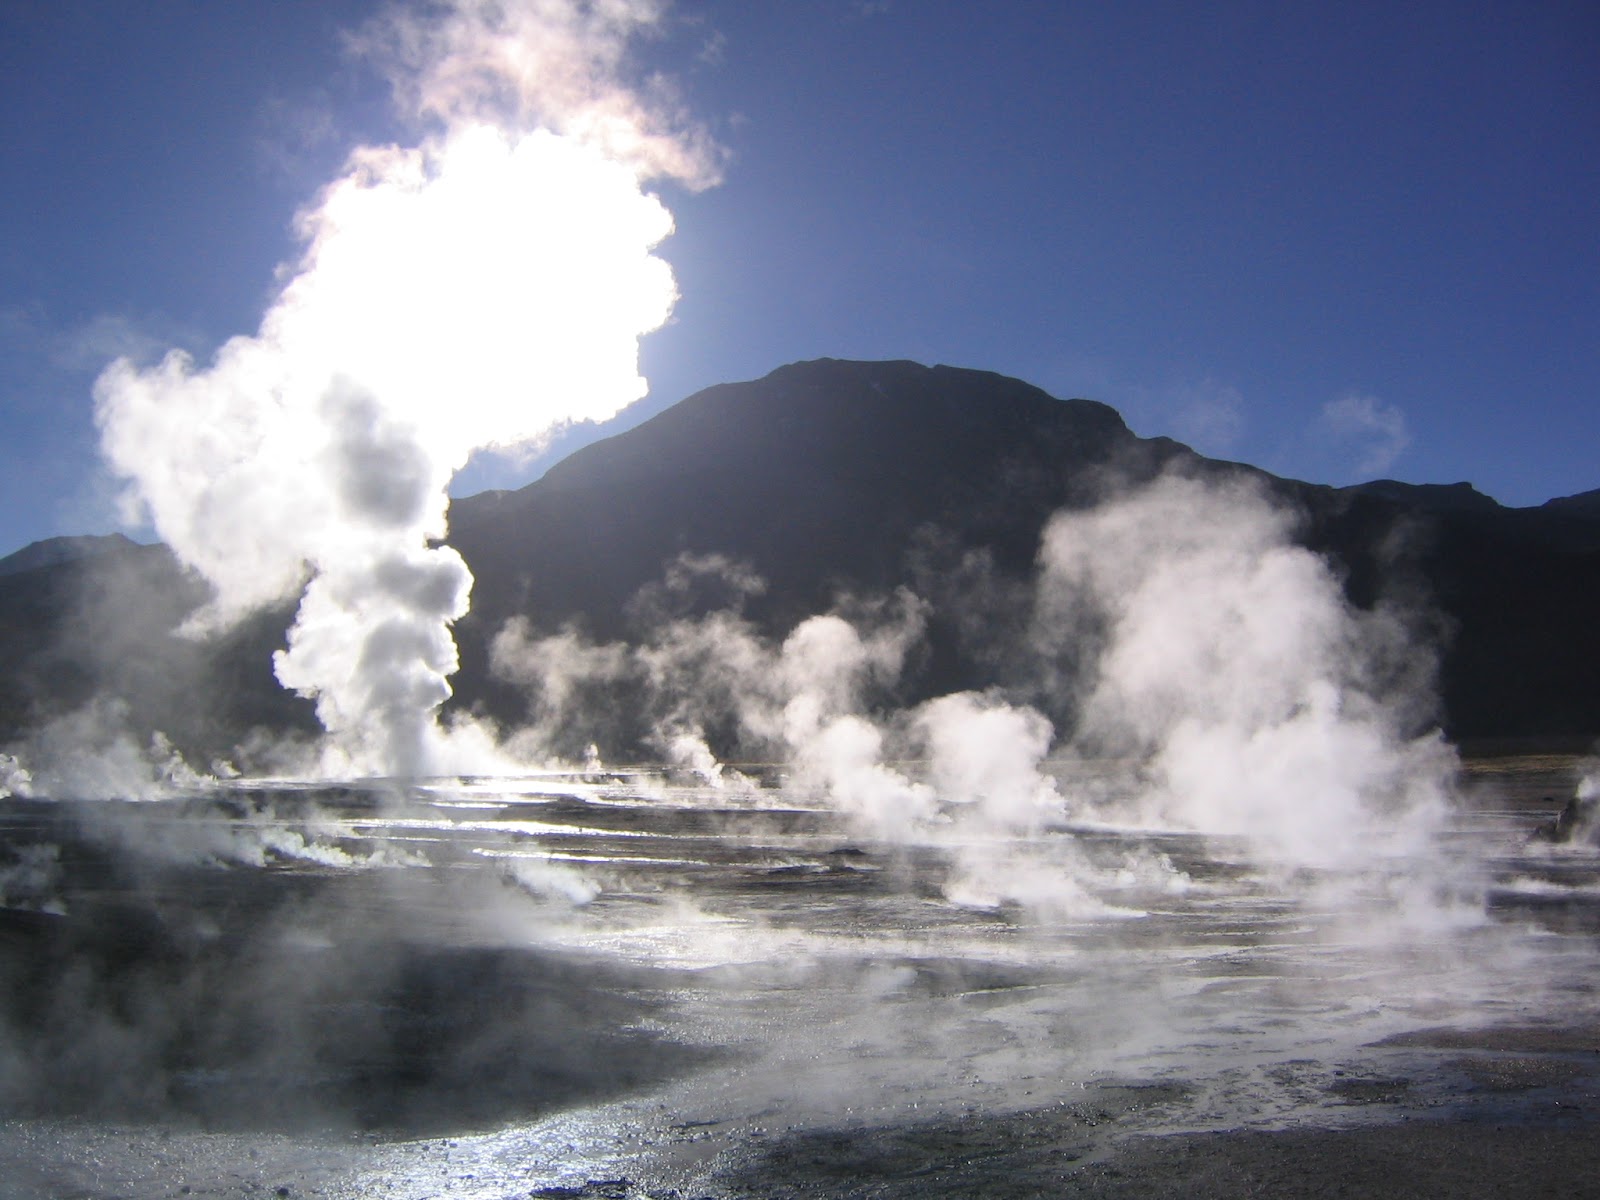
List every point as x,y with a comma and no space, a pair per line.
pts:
627,986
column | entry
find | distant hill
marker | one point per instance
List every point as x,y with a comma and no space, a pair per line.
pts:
834,476
53,551
822,475
1428,497
1584,504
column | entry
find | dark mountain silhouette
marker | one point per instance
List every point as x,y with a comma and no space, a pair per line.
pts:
50,551
824,476
832,478
1584,504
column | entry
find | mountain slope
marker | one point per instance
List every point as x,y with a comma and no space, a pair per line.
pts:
835,476
819,475
830,478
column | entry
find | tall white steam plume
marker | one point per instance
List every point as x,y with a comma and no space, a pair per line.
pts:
478,290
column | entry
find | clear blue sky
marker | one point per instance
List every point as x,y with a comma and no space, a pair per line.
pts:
1337,241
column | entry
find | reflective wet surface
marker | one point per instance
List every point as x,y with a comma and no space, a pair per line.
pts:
628,985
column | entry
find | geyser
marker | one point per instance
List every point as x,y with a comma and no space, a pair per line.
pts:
476,291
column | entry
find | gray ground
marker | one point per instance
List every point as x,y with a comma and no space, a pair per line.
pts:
876,1073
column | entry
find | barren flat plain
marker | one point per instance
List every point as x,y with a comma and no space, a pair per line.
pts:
624,984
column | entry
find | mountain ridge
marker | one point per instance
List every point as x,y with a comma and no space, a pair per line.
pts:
834,478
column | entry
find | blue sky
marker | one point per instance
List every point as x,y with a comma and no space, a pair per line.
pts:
1339,242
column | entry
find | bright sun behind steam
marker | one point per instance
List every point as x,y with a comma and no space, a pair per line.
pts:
488,288
481,289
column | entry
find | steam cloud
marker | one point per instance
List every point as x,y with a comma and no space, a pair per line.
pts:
1377,429
1230,663
478,290
1204,671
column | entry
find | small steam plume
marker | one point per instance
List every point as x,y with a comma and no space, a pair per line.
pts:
478,290
963,771
719,674
15,779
